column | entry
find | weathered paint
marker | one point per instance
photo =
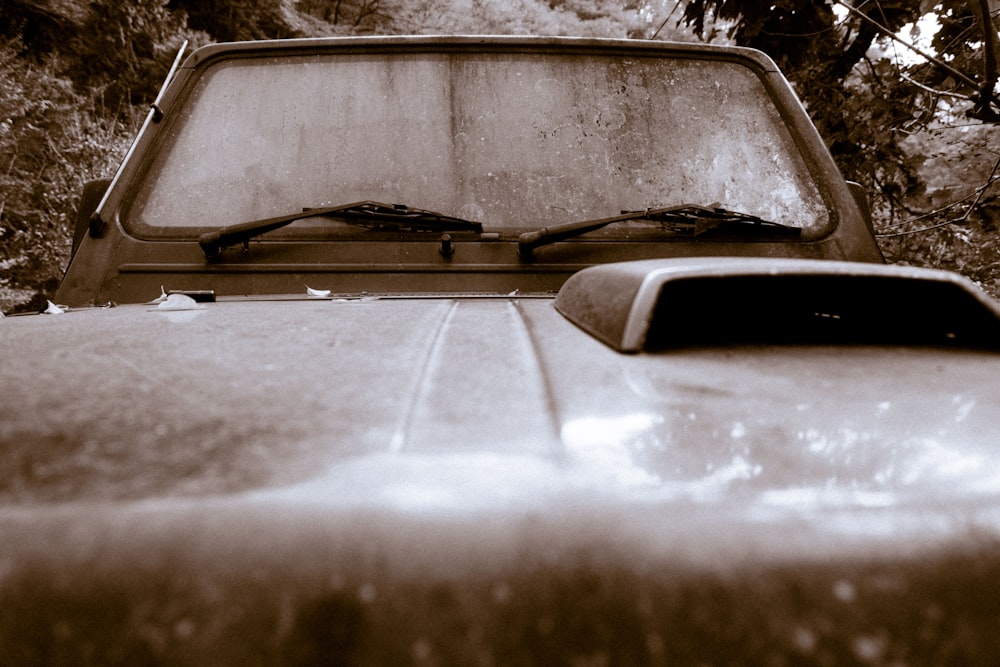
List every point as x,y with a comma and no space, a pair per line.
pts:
469,480
269,387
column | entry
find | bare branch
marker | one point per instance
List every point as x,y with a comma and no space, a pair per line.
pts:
977,195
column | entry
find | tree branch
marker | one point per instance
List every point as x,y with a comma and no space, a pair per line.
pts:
967,80
983,110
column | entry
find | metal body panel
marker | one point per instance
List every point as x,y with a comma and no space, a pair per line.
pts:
370,455
405,377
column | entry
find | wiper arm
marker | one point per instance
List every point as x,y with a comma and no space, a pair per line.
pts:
370,214
685,219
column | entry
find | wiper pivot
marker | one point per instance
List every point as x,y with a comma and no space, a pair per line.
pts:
371,214
684,219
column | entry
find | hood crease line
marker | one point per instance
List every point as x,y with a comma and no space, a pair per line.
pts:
402,432
544,375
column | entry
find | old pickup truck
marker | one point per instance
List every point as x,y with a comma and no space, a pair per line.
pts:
494,351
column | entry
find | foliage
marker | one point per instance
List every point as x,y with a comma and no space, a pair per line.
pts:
955,222
585,18
124,50
360,15
947,216
239,20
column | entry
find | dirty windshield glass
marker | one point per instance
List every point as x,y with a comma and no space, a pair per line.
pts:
510,140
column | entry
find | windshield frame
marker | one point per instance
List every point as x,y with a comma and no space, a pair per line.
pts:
803,135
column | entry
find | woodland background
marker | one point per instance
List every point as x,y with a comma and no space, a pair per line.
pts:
918,131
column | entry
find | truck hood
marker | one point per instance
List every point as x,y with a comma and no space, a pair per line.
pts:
343,448
133,403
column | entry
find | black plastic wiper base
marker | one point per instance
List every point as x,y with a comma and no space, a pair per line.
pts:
370,214
689,219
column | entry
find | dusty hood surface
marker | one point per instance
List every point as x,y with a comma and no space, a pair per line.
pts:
219,477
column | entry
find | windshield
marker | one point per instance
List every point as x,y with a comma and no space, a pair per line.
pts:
511,140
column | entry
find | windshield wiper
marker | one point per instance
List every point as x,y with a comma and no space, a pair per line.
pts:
371,214
684,219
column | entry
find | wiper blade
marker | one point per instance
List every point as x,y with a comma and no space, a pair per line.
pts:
371,214
685,219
